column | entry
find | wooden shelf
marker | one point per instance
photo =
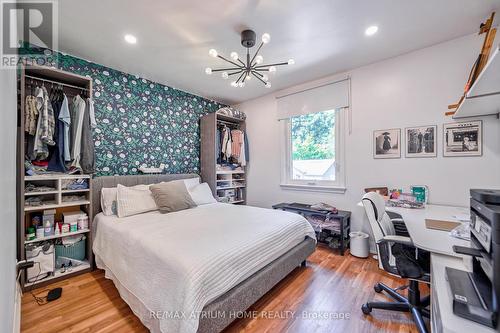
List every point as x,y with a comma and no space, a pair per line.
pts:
55,176
83,231
75,191
229,172
483,98
52,206
40,193
230,187
58,275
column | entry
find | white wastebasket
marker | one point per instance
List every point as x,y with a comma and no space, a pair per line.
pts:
359,244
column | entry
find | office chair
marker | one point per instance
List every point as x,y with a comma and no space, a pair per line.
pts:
398,257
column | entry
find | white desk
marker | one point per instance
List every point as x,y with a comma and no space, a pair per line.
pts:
440,245
434,241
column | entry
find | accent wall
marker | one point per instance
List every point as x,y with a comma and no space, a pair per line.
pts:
139,122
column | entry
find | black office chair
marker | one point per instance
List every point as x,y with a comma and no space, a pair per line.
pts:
397,256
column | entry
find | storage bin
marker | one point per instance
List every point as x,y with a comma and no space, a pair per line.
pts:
75,251
359,244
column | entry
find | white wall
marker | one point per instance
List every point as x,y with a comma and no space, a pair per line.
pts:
8,200
409,90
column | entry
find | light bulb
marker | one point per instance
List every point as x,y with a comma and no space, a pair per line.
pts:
266,38
241,84
259,59
370,31
131,39
272,69
291,62
225,76
234,56
208,70
268,84
248,77
212,53
265,77
234,84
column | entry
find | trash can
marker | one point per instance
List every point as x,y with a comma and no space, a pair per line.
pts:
359,244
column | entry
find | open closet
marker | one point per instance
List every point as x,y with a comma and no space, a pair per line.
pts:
224,156
55,154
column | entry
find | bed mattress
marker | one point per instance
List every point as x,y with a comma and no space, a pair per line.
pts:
169,266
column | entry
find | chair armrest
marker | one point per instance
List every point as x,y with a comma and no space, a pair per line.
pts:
397,239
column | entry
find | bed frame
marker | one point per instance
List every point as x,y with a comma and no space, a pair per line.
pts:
243,295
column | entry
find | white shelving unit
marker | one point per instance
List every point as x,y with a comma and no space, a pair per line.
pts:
58,274
483,98
82,231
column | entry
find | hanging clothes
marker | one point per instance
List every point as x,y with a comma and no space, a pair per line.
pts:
30,115
226,143
87,147
93,122
236,143
77,112
243,154
245,146
45,125
65,119
56,162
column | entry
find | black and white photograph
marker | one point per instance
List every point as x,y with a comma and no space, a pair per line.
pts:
463,139
387,143
421,141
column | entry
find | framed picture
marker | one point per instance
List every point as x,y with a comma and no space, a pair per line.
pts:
387,143
421,141
463,139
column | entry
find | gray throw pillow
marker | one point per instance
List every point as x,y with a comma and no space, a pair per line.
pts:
171,196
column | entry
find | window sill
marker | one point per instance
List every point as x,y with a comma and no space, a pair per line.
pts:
314,188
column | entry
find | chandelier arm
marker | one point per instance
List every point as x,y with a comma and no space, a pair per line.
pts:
241,62
254,72
225,69
233,73
256,52
276,64
231,62
261,69
239,78
258,78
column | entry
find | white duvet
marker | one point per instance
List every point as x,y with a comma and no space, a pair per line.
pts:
171,265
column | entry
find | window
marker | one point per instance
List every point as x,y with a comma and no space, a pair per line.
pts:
312,152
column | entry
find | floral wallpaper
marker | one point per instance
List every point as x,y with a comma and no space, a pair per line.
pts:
139,122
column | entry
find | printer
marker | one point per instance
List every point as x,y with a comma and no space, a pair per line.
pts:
476,294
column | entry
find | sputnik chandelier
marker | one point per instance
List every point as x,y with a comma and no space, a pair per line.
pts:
243,71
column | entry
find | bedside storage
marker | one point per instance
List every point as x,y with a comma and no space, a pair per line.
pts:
331,229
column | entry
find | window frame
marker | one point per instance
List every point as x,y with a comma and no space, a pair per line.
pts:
287,181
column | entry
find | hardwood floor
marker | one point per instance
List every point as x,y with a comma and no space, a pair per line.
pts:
329,285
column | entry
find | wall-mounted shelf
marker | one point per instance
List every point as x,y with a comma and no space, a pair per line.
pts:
483,97
82,231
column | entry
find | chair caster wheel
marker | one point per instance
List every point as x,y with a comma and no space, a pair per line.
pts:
366,309
377,288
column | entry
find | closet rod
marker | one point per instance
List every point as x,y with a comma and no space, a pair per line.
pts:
58,83
228,123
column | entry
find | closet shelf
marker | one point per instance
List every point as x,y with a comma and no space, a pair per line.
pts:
75,191
55,177
83,231
230,187
79,269
52,206
229,172
40,193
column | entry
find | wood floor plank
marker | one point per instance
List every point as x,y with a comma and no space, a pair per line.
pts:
331,285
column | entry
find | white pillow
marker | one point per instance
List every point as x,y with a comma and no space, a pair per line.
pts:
134,200
108,200
191,182
202,194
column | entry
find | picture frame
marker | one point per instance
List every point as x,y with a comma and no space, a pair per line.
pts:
387,143
421,141
463,139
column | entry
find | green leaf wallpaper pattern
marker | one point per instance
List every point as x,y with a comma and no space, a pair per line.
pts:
139,122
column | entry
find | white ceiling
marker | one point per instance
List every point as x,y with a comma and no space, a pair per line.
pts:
323,36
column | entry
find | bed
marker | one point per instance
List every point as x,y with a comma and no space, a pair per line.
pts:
168,270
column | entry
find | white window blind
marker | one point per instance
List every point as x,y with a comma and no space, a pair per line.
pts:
330,96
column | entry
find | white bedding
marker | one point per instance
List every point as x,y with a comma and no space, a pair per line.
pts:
175,264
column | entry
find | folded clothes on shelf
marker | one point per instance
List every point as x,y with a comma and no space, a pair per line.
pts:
32,188
76,184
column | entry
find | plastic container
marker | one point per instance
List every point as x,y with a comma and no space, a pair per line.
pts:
359,244
75,251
